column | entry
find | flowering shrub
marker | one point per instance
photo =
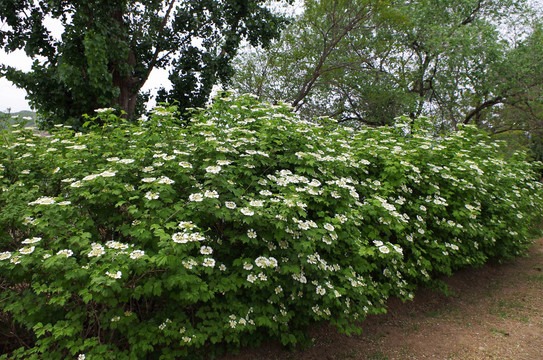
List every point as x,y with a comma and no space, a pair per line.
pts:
169,241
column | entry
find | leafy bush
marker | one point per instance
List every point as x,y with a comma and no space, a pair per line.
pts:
168,241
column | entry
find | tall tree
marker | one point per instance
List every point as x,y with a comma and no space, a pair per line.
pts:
417,57
325,44
109,48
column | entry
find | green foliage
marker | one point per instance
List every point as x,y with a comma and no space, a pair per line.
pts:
108,49
166,241
370,61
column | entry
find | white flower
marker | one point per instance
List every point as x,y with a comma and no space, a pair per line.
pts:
136,254
247,266
388,206
101,110
31,241
186,225
64,203
266,193
15,260
181,238
116,245
223,162
90,177
263,262
185,165
209,262
151,195
384,249
251,234
320,290
66,252
246,211
230,204
148,180
27,250
5,255
256,203
108,173
165,180
196,197
76,184
329,227
81,357
44,200
213,169
113,159
251,278
206,250
116,275
211,194
77,147
97,250
222,267
126,161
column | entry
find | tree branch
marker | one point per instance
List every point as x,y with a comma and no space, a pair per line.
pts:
157,50
481,107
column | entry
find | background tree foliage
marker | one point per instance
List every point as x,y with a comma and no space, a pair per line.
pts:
109,48
369,61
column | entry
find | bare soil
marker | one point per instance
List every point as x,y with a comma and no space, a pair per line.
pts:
495,312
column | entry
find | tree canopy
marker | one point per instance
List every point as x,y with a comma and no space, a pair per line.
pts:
109,48
369,61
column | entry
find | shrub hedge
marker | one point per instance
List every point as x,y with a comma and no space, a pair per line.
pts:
165,241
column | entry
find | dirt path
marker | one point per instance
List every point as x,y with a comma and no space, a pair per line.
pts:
496,312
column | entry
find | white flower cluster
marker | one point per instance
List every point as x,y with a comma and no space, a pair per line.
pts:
116,245
152,195
136,254
44,200
65,252
187,236
305,225
213,169
27,250
97,250
263,262
116,275
31,241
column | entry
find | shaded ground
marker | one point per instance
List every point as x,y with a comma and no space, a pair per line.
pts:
496,312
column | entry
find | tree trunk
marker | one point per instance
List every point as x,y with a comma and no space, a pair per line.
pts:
127,84
128,89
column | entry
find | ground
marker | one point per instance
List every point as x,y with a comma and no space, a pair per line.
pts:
494,313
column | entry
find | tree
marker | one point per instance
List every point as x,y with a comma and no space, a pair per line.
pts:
109,48
520,93
422,57
327,43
